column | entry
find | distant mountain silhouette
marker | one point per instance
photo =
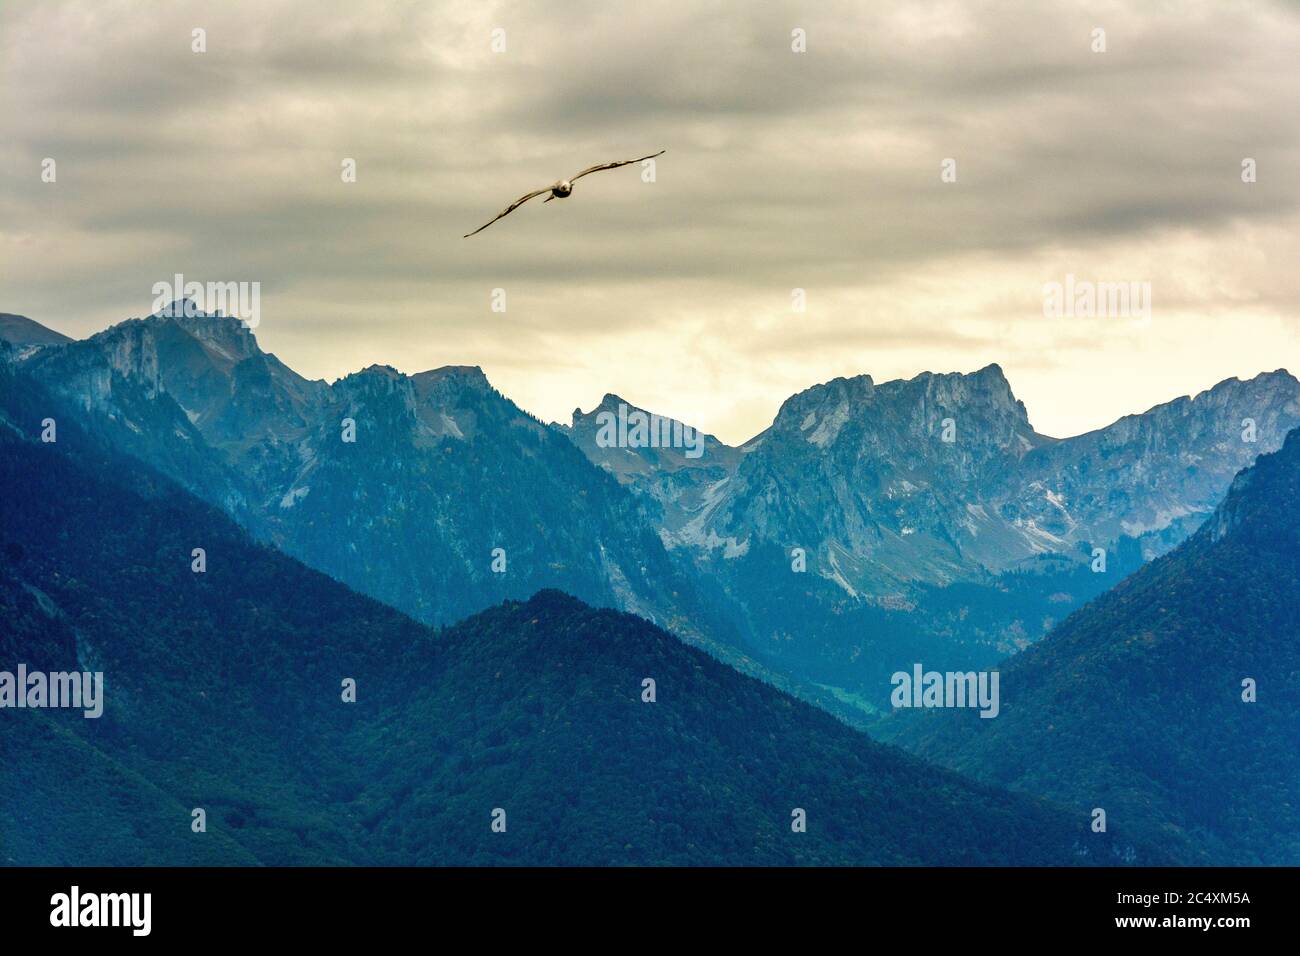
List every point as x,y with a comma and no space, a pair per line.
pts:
22,331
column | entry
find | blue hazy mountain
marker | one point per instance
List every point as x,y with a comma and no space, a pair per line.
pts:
24,332
223,693
876,525
1140,702
431,492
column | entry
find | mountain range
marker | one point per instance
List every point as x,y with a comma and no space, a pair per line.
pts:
869,529
956,552
871,526
223,695
404,487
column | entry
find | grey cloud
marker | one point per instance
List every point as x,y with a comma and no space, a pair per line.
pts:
817,170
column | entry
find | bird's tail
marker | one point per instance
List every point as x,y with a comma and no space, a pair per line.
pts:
549,198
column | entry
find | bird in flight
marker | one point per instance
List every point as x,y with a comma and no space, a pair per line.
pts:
561,189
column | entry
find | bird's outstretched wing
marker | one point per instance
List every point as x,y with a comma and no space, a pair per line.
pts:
624,162
509,209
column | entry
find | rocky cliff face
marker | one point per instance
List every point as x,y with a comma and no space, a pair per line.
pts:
676,476
942,478
881,482
1156,476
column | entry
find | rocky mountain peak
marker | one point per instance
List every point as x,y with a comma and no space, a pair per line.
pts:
452,384
227,334
838,396
985,389
375,385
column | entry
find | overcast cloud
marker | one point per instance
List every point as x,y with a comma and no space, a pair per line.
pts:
818,170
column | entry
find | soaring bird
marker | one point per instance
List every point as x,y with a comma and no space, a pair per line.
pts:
560,189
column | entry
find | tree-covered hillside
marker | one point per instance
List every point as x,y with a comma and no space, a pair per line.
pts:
1137,703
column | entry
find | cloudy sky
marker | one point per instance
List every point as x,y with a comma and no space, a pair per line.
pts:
818,170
